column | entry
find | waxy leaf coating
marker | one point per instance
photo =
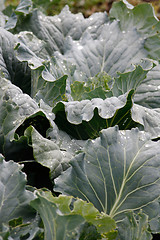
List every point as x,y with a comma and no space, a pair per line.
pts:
14,198
115,170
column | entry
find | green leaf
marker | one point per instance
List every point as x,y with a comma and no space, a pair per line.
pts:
89,232
4,232
44,85
124,82
12,69
109,50
18,111
103,223
33,43
142,17
17,230
64,141
113,171
48,153
114,48
24,54
113,51
94,87
30,230
44,26
134,227
56,224
52,92
149,118
24,7
80,92
2,18
60,222
102,85
11,23
147,93
100,79
118,35
84,119
14,198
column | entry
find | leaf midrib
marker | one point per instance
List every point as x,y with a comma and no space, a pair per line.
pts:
114,208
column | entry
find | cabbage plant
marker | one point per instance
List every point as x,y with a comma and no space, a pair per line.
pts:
79,124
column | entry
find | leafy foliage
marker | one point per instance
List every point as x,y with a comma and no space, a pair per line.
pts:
56,212
79,103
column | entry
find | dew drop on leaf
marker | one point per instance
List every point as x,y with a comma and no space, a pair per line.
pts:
147,145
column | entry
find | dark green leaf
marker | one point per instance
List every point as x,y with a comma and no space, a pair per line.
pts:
134,227
14,198
54,29
18,111
24,7
48,154
114,171
147,93
142,17
12,69
60,222
84,119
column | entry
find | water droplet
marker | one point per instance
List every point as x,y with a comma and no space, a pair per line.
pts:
147,145
158,87
123,32
89,27
80,47
123,133
27,105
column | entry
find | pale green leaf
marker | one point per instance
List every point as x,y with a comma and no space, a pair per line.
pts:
60,222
